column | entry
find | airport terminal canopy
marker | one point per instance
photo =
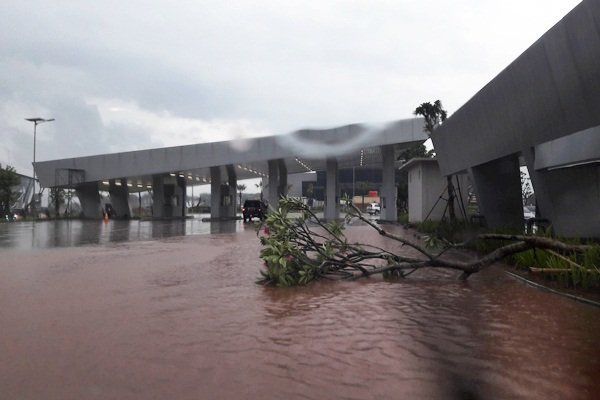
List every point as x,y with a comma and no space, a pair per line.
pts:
303,150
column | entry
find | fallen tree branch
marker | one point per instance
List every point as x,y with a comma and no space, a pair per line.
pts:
299,250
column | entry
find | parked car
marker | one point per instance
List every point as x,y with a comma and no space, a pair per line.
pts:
373,208
253,209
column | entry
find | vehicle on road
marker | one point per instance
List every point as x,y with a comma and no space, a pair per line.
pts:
253,209
373,208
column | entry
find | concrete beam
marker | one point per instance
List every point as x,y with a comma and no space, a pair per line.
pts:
498,188
89,198
332,190
389,211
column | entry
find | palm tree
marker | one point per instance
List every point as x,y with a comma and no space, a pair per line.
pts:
241,188
259,186
435,115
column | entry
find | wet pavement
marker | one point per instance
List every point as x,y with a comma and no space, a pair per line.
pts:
180,317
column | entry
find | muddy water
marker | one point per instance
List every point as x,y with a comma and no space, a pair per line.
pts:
180,318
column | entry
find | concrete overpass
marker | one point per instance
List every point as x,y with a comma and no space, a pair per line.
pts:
167,171
545,109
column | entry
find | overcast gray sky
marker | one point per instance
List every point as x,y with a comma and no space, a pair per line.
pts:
126,75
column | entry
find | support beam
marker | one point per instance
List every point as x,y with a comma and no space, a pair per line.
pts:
119,197
215,192
388,194
332,209
89,198
498,188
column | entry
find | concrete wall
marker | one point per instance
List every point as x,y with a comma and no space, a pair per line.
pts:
425,186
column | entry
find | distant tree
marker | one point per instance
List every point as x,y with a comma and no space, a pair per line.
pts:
435,115
56,197
9,179
241,188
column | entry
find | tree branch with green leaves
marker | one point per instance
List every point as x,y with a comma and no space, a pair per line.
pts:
299,247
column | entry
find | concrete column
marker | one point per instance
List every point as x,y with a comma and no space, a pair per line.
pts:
232,191
388,184
273,185
119,197
283,188
158,199
498,187
332,209
215,192
568,197
179,198
89,198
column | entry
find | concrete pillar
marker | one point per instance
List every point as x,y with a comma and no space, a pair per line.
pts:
179,198
168,196
568,197
498,187
119,197
332,196
158,199
89,198
389,192
273,185
231,208
283,185
215,192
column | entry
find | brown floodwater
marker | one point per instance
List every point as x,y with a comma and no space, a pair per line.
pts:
181,318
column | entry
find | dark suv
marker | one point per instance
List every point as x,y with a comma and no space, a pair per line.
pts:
252,209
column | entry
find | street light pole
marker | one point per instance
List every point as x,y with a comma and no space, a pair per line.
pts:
36,122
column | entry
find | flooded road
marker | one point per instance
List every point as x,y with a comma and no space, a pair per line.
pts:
181,318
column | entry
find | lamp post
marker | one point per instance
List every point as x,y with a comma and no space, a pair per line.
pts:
36,122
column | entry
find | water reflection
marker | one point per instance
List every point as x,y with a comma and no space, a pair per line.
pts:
70,233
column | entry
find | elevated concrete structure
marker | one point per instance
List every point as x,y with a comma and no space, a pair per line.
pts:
119,197
545,107
167,171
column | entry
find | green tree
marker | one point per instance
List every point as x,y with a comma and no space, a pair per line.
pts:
240,189
56,197
9,179
435,115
